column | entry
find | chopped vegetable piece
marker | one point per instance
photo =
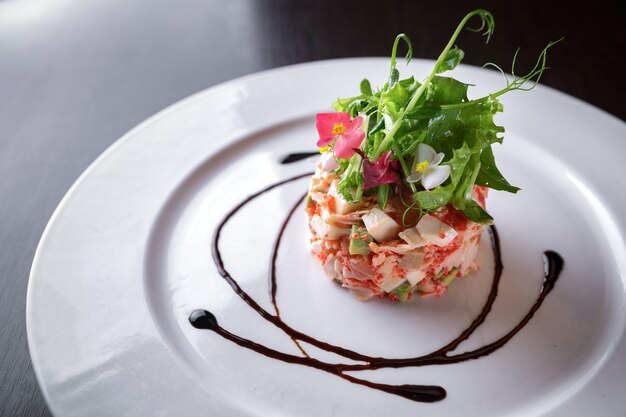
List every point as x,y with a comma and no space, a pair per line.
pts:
359,241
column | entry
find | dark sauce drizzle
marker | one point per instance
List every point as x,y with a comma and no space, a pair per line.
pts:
298,156
202,319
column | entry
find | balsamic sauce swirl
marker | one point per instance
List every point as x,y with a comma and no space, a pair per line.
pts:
203,319
298,156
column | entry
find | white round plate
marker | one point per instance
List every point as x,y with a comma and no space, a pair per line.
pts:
127,257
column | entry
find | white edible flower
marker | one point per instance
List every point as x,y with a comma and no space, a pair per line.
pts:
328,162
426,167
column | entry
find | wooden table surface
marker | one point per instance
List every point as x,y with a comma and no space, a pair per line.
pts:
76,75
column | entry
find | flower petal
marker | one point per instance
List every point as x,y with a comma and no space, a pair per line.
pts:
356,123
328,162
425,153
435,176
365,123
438,158
344,147
324,142
382,171
324,123
414,177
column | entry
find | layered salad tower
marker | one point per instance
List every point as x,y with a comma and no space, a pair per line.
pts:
396,206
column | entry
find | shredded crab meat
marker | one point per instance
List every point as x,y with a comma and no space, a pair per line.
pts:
412,262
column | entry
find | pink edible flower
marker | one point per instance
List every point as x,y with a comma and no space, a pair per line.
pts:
338,127
382,171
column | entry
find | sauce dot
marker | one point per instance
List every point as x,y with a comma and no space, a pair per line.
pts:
202,319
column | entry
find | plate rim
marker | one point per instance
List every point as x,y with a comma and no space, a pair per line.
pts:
180,104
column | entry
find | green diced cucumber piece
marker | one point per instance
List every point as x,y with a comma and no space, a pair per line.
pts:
403,291
448,278
359,241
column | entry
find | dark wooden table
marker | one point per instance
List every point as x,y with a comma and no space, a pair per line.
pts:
74,76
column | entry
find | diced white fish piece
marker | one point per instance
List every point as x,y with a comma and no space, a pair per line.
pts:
341,205
316,246
329,267
412,262
412,259
415,276
338,265
346,273
469,254
361,294
318,197
412,237
361,270
398,249
390,282
386,268
326,231
350,218
434,231
380,226
315,182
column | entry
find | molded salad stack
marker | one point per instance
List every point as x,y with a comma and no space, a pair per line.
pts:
397,203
